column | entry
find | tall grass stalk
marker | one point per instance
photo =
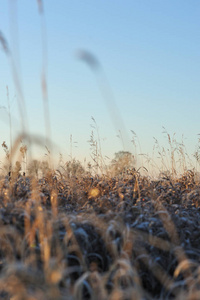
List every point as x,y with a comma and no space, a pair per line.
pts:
107,95
44,74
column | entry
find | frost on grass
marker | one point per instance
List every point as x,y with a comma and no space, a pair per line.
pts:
123,237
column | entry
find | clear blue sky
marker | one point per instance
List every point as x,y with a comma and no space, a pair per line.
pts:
150,53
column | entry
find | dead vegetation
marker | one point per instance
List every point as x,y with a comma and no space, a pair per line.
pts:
125,237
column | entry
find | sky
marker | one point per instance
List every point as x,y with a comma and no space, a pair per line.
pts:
148,70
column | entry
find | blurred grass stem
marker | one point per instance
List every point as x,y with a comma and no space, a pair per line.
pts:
107,94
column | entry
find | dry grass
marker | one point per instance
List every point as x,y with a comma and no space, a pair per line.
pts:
125,237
